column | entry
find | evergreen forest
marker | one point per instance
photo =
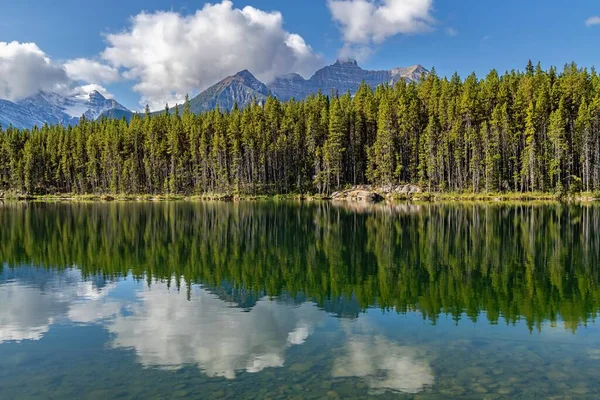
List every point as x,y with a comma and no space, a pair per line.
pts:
523,131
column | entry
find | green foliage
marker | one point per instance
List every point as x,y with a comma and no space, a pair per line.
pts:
519,132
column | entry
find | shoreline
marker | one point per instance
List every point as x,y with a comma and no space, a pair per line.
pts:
424,197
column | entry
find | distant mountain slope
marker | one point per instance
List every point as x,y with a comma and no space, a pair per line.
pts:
97,105
118,114
342,76
241,88
53,108
17,116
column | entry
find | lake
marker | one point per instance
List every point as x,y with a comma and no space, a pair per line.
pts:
299,300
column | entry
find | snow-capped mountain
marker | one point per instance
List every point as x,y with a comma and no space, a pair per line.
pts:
53,108
17,116
241,89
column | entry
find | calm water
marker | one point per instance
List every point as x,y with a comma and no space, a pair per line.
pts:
268,300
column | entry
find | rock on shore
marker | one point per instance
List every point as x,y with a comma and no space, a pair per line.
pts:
370,194
357,195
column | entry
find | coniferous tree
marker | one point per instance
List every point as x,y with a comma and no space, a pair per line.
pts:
333,148
520,131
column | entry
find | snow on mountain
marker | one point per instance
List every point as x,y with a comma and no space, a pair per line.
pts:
241,89
97,105
53,108
19,117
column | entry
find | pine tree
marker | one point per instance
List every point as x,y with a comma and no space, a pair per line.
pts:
384,149
528,171
556,136
334,147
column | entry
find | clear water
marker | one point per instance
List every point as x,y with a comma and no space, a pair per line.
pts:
279,300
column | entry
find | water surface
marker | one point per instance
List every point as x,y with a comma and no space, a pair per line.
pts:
282,300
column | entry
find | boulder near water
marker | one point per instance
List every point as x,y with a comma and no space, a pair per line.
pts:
357,195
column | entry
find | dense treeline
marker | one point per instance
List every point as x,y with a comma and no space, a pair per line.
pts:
523,131
537,263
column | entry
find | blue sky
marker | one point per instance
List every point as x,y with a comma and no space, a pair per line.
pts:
463,36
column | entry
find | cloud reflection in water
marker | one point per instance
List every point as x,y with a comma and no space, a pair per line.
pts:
383,364
166,330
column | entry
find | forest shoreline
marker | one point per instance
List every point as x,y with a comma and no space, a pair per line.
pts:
424,197
520,132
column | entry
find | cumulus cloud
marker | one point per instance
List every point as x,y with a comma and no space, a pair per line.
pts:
168,331
170,54
26,313
26,69
82,69
33,300
382,363
367,22
591,21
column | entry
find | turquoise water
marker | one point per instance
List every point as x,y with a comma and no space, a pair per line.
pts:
281,300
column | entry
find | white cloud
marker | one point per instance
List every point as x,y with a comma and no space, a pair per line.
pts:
170,54
82,69
31,305
591,21
365,21
382,363
85,90
26,313
26,69
169,331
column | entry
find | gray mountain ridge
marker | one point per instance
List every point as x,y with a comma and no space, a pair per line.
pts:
342,76
241,89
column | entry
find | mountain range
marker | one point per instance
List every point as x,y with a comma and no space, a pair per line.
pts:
342,76
241,89
55,109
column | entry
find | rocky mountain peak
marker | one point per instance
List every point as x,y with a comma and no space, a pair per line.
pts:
290,77
245,75
96,95
346,62
342,76
241,89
